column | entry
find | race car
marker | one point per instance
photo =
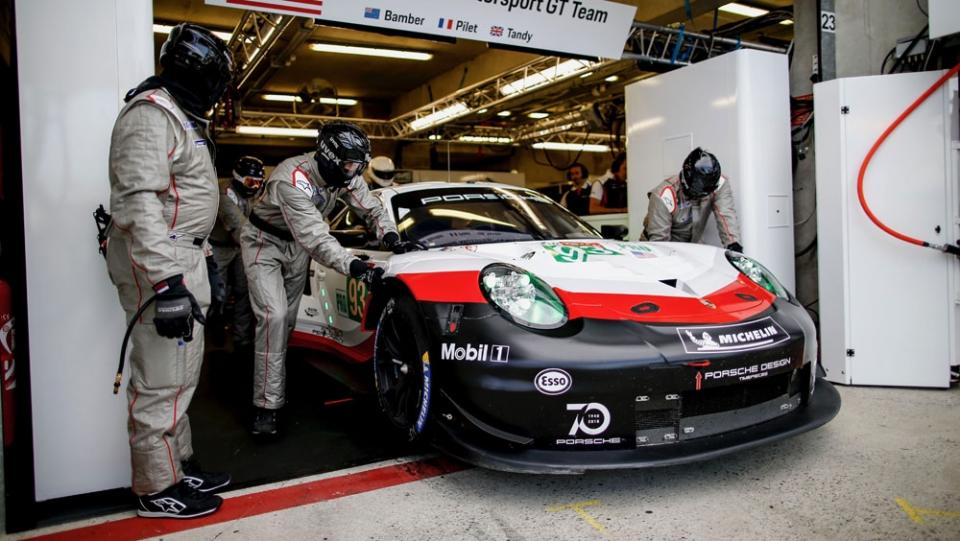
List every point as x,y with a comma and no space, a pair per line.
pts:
519,339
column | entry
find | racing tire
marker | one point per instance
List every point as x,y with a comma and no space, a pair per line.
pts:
401,368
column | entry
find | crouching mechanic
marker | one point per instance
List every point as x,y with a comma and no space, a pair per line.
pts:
163,197
236,199
680,206
287,228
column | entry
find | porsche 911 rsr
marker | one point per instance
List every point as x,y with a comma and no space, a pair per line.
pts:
519,339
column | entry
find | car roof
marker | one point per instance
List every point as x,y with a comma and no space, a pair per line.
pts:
418,186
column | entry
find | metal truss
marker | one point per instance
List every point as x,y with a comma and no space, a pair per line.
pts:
252,40
676,46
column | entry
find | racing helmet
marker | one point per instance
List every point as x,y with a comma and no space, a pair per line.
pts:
381,171
248,176
196,58
700,175
343,152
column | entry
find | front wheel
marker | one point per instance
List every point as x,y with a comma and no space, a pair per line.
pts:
401,367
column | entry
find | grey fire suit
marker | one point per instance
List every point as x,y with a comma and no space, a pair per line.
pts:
674,217
164,201
225,240
294,204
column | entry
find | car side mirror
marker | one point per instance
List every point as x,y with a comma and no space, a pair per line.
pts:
615,232
350,238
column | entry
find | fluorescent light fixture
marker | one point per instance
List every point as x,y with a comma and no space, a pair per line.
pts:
553,145
740,9
457,109
587,74
434,137
786,22
612,79
282,132
369,51
538,115
485,139
504,113
289,98
481,111
545,76
166,28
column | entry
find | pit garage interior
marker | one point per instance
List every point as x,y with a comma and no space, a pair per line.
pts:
793,98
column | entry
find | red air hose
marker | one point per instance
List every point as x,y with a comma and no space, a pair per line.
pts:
866,162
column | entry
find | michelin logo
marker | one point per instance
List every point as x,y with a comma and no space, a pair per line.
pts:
728,338
468,352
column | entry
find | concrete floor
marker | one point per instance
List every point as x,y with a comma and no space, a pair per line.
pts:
888,467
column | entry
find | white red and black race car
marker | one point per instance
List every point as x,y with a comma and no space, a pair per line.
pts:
521,340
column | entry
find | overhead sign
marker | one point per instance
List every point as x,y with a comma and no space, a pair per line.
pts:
581,27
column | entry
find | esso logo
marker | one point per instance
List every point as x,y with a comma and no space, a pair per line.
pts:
553,381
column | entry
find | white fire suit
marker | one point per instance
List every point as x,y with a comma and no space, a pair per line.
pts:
671,216
294,204
225,240
164,201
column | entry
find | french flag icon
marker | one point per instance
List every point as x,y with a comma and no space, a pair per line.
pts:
445,23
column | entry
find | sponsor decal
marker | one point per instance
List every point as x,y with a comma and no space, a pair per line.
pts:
169,505
576,252
425,403
341,302
743,373
302,184
232,196
463,197
200,142
493,353
592,419
589,441
553,381
325,331
637,250
371,13
311,312
189,125
728,338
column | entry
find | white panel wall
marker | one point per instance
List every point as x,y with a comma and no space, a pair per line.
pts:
76,61
737,106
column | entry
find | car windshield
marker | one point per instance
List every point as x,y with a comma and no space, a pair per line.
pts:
483,214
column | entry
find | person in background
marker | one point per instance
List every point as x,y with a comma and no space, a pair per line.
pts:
380,172
680,205
163,198
609,193
286,229
236,199
577,198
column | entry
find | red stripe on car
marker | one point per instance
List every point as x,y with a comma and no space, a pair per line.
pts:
456,286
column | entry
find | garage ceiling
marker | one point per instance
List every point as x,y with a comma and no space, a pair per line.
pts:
387,88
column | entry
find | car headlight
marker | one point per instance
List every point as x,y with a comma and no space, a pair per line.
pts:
758,273
521,297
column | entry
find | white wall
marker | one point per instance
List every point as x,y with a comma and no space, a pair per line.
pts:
737,106
76,61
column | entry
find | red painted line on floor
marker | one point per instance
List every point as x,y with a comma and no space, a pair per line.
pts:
338,401
268,501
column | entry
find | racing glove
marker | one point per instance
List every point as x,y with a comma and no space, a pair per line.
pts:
218,289
176,308
372,275
393,243
735,246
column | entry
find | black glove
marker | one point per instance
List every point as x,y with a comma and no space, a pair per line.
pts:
371,275
176,308
735,246
218,289
393,243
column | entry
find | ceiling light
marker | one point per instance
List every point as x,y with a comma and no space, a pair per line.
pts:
553,145
504,113
457,109
545,76
538,115
740,9
369,51
612,79
289,98
166,28
485,139
786,22
587,74
481,111
434,137
269,130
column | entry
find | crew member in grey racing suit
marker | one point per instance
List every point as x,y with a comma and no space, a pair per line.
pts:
287,229
680,206
163,201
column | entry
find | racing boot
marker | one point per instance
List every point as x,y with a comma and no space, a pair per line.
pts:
264,422
202,481
178,501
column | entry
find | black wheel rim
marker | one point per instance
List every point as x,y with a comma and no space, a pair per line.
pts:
399,370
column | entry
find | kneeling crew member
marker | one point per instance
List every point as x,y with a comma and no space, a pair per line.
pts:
287,228
680,206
